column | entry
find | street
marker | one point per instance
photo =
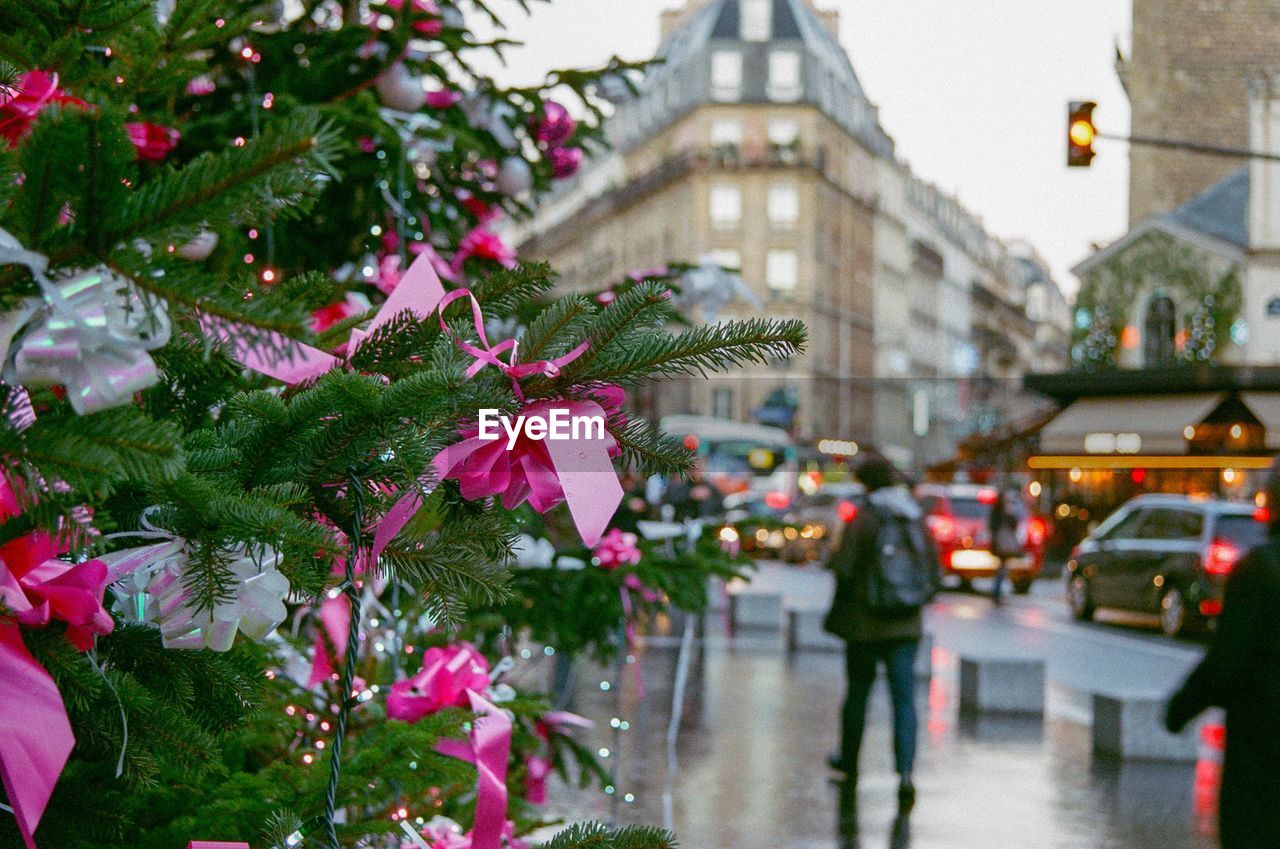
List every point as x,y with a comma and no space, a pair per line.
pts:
758,725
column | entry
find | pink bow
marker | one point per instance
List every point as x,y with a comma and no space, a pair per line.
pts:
448,673
35,734
488,354
489,750
215,844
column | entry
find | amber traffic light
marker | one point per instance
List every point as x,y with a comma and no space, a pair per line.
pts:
1080,133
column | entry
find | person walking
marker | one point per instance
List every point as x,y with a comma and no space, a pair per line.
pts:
1241,673
1002,528
886,569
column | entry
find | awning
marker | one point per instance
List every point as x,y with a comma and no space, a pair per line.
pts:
1266,406
1128,424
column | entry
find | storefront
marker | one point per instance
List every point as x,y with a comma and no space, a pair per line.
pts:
1209,432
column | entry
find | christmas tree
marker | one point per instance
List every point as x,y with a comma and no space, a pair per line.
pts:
251,304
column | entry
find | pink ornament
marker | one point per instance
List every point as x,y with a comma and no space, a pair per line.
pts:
152,142
536,772
353,305
200,86
446,675
555,127
617,549
565,161
483,244
399,89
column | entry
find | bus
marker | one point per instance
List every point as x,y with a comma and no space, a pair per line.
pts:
737,457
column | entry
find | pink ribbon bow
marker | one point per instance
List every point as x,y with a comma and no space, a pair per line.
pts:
35,734
448,673
618,548
489,749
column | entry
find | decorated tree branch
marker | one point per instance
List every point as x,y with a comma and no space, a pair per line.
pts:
252,306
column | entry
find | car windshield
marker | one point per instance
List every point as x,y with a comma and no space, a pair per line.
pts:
1244,532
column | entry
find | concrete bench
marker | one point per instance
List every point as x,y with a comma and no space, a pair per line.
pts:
1131,727
753,608
1009,685
802,629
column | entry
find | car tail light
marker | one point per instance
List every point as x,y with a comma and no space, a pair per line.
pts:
1210,607
1221,557
777,500
987,496
847,510
943,528
1037,530
1263,515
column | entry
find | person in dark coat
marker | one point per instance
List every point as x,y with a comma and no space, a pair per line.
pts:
1241,673
1002,529
872,639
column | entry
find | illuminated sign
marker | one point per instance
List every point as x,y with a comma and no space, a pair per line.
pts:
839,447
1112,443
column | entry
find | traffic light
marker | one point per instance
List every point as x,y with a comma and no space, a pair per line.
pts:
1080,133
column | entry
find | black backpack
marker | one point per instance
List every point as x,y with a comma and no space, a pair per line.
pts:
905,575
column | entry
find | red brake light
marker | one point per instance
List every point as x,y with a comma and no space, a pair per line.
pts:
847,510
777,500
1222,556
1210,607
1037,530
987,496
1263,515
943,528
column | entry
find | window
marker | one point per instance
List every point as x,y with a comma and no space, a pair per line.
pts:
781,270
784,204
726,75
726,258
726,132
783,132
726,206
757,20
1167,524
1121,525
722,403
784,75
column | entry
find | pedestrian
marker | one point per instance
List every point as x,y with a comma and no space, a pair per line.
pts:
886,569
696,498
1002,528
1241,673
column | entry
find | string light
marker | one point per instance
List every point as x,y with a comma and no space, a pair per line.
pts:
268,275
246,52
248,258
605,685
308,758
253,233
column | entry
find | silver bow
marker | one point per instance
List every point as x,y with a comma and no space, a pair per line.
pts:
93,336
150,581
91,333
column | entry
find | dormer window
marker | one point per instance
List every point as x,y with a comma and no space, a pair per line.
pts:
757,20
726,75
784,76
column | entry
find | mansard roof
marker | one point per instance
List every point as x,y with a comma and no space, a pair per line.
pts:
681,80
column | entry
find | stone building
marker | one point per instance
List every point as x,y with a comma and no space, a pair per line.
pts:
1186,76
753,145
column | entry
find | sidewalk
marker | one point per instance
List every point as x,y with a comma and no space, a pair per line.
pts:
757,728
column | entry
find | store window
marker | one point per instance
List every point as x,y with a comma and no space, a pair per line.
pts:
784,76
757,20
782,270
726,206
726,75
784,205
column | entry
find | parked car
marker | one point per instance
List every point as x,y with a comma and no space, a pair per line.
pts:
957,515
1169,555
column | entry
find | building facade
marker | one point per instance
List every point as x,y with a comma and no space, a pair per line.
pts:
1186,77
753,145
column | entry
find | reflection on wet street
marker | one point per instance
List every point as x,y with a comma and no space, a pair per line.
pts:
758,726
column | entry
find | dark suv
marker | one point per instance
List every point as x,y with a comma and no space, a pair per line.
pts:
1164,554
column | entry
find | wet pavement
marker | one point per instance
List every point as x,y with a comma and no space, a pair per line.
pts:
749,756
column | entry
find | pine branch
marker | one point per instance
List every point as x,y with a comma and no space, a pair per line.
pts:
711,347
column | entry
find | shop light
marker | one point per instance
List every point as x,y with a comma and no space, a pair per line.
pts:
1084,461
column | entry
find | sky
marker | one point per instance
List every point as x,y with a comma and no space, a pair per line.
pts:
974,93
